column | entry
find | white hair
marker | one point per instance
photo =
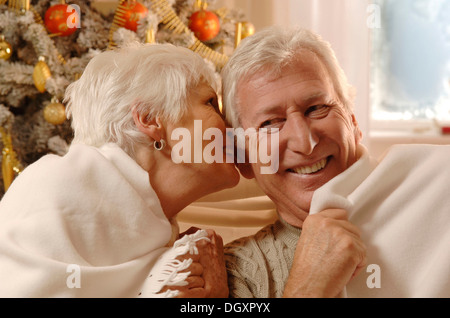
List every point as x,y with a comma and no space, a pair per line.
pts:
270,50
153,78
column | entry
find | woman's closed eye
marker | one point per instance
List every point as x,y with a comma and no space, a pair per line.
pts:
214,103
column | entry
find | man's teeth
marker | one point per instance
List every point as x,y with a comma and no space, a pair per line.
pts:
311,169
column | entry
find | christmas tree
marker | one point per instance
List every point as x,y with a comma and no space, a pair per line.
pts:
45,45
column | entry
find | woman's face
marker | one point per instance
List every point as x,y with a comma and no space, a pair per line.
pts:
198,141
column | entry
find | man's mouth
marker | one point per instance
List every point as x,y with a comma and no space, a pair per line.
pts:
310,169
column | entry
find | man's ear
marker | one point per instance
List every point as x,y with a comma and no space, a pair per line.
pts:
151,127
246,170
357,130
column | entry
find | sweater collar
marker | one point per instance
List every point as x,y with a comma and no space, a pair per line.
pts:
289,234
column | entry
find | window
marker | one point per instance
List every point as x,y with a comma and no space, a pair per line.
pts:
410,67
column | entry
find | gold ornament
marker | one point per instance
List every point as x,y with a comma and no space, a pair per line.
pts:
10,164
238,34
150,36
5,48
243,30
247,29
41,74
205,25
61,20
7,168
55,113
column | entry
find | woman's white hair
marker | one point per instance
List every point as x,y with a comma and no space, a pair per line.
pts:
153,78
270,50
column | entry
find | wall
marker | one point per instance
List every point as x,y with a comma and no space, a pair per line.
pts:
259,12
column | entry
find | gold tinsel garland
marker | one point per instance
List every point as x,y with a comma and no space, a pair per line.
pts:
10,165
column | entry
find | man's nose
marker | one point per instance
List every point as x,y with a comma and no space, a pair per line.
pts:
299,135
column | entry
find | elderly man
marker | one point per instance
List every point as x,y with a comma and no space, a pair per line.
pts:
329,195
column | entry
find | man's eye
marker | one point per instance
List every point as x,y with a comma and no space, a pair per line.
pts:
317,111
273,123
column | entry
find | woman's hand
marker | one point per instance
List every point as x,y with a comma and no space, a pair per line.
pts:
208,277
213,263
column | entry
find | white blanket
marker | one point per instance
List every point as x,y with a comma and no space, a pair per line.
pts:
84,225
402,206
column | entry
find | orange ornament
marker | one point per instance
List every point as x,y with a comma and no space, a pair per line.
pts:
61,19
132,12
205,25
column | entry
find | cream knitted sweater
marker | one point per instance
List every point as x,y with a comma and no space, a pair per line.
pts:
258,266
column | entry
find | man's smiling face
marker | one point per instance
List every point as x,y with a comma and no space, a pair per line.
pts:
317,134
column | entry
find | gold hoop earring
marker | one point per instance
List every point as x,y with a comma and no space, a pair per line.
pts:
159,145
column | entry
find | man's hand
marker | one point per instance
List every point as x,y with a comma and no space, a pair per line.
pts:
328,255
208,277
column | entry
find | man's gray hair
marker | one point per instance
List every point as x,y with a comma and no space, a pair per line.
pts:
270,50
153,78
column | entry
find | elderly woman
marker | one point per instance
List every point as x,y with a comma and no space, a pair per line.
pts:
99,221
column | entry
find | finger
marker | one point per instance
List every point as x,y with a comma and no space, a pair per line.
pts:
191,230
195,269
192,293
218,241
349,227
183,292
210,233
338,217
214,237
194,282
361,258
194,257
337,214
360,267
358,270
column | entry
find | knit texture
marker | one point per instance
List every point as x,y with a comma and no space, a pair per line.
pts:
258,266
